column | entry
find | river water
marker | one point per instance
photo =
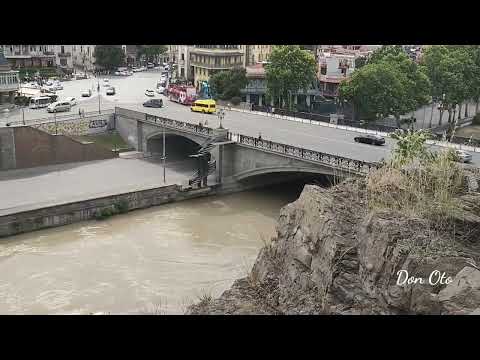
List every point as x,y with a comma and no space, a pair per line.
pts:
156,260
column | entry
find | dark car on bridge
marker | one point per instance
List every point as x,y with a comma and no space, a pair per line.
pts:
155,103
370,139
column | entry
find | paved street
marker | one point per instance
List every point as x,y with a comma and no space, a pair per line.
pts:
313,137
48,185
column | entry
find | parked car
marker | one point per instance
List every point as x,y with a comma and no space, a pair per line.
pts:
71,100
106,82
370,139
59,106
149,92
155,103
57,86
463,156
160,90
118,73
87,93
110,91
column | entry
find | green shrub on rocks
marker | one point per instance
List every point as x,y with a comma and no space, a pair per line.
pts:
119,207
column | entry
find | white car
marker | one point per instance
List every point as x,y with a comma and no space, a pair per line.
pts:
106,82
87,93
160,90
463,156
149,92
118,73
71,100
57,86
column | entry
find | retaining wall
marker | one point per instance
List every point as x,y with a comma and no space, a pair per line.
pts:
68,213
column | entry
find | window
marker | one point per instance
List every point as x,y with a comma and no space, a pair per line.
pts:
62,49
63,62
183,56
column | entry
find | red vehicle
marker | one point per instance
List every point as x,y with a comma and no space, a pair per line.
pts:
182,94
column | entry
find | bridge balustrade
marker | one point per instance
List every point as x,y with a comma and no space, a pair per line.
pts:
329,159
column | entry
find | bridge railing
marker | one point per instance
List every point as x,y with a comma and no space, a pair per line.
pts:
311,155
181,125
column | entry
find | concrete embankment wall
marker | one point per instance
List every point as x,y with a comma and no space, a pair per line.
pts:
64,214
26,147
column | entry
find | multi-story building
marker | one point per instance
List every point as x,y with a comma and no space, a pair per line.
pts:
22,56
64,57
334,66
184,71
83,57
256,89
206,60
9,81
257,53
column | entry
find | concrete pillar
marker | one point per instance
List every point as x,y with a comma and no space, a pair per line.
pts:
140,136
221,134
307,99
248,98
11,97
260,102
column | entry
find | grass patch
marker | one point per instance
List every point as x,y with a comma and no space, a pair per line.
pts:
426,187
110,141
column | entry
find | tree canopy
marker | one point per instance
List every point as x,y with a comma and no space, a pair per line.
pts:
109,56
227,84
151,51
390,84
289,70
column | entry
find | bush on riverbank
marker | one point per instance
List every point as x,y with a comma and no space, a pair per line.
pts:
119,207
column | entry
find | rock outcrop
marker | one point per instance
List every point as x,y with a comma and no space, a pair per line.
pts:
333,256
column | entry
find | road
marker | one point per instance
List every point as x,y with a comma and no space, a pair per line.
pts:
313,137
130,94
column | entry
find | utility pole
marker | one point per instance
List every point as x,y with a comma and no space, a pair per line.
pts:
98,90
23,115
55,117
163,157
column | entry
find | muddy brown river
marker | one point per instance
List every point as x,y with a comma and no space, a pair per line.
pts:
158,260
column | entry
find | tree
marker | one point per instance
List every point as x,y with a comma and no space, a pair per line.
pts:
391,85
228,84
386,50
290,69
151,51
109,56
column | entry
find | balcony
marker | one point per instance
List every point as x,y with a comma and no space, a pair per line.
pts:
216,52
65,54
215,66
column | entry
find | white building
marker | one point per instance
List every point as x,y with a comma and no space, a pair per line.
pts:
9,81
184,70
82,57
21,56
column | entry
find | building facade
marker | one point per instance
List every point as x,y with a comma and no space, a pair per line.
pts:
257,53
9,81
83,58
25,56
64,57
206,60
184,71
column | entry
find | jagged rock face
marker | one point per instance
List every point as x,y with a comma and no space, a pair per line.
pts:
332,256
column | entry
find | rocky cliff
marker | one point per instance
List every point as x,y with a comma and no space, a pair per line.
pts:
333,254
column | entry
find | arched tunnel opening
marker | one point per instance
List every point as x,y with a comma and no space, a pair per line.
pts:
177,152
288,185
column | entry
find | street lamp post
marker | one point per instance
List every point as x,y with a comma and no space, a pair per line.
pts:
98,90
163,156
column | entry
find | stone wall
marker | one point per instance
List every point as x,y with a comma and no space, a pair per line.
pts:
33,147
7,149
79,126
69,213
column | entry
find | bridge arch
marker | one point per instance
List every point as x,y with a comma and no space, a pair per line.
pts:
178,146
286,169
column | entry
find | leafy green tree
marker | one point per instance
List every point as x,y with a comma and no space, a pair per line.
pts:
289,70
391,85
228,84
151,51
386,50
109,56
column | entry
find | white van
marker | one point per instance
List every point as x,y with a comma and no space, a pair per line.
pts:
59,106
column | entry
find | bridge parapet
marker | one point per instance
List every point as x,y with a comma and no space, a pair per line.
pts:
305,154
179,125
